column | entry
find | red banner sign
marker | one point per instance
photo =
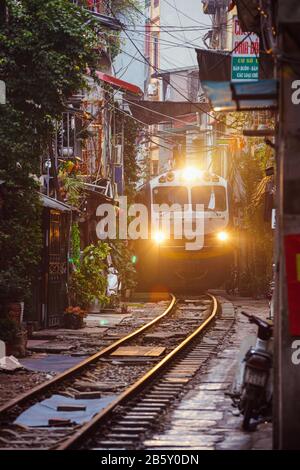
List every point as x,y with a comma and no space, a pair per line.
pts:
292,256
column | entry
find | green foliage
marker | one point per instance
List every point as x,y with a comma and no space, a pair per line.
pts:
88,282
20,233
256,232
114,43
121,252
132,170
45,48
73,188
122,261
8,330
75,244
125,10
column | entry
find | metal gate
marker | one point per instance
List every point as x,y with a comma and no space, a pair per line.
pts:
57,268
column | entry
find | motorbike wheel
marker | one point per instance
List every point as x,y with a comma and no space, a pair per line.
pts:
248,412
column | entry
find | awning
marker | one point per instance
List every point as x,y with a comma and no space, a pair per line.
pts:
216,65
230,96
121,84
153,112
106,21
103,190
54,203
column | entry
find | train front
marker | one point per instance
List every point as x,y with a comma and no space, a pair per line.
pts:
190,242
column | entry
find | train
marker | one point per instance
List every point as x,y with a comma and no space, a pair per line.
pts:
190,242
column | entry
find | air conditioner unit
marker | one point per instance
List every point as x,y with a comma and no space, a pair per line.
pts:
152,89
168,93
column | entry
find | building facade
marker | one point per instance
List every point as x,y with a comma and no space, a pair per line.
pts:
173,29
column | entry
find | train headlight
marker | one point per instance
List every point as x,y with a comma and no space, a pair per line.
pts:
223,236
190,173
159,237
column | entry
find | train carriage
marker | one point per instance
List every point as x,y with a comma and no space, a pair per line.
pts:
190,238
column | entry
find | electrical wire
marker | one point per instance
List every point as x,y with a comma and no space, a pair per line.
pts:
183,33
161,70
167,42
168,117
213,67
126,67
171,117
167,139
150,134
172,86
178,10
149,20
141,122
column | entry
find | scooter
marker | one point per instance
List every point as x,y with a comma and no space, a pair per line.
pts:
255,398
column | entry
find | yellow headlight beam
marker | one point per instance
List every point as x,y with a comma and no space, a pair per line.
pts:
190,173
159,237
223,236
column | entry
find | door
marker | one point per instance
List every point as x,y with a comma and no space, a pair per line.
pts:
57,268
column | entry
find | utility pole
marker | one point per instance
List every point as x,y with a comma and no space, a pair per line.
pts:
287,327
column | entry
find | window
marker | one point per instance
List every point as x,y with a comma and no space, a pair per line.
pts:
212,197
170,195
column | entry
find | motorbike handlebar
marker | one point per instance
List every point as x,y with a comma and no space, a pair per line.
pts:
246,314
259,322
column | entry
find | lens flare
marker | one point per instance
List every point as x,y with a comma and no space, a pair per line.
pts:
159,237
223,236
190,173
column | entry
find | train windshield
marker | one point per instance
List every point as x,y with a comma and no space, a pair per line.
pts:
212,197
170,195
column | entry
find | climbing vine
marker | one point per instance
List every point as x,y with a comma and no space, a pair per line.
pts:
45,48
249,163
121,251
89,282
75,244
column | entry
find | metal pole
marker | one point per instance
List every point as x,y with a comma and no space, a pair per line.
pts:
287,371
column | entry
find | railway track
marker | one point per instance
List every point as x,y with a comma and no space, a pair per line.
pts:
137,412
64,433
44,387
135,409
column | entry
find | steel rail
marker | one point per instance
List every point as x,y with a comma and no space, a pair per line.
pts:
99,418
43,387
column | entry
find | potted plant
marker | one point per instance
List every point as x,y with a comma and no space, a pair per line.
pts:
74,318
12,293
9,331
89,279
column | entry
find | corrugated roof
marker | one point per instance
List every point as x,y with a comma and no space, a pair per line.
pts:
54,203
